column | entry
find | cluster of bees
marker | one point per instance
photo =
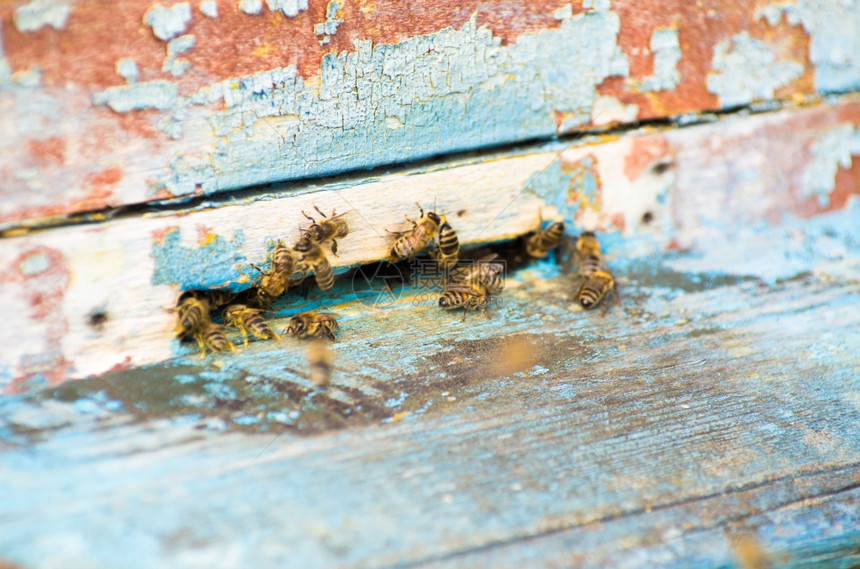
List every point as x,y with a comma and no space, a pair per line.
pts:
466,285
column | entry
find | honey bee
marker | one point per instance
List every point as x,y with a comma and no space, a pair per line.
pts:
249,320
213,337
319,360
275,282
327,229
448,251
588,254
410,243
313,325
484,276
192,315
311,257
466,298
541,241
594,290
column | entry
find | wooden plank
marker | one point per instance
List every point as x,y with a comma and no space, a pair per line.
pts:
648,190
108,105
711,406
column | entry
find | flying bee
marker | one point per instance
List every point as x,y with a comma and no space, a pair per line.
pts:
313,325
483,276
466,298
319,360
448,251
213,337
327,229
410,243
588,254
595,289
192,314
311,257
249,320
541,241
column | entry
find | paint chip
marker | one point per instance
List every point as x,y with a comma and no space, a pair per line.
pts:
40,13
147,95
563,13
167,23
290,8
127,69
251,7
209,8
667,53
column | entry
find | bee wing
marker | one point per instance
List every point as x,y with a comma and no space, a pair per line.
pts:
457,288
487,258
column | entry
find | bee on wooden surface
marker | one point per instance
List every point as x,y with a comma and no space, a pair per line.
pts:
313,325
311,257
466,298
588,254
319,360
542,241
249,320
327,229
483,276
448,251
213,337
410,243
276,281
192,314
594,290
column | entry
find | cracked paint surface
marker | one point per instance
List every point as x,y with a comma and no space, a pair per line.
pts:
832,149
256,100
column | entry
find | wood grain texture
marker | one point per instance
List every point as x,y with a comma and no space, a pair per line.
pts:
696,185
702,411
108,105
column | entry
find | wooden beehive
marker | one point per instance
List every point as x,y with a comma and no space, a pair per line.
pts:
708,420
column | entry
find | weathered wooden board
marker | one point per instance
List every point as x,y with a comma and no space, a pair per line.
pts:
710,408
89,298
108,104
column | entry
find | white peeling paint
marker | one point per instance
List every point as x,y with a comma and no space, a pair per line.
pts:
40,13
332,21
290,8
609,110
167,23
251,7
127,69
209,8
832,149
147,95
834,29
667,53
747,70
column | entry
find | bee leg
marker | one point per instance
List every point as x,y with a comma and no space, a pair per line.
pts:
231,346
275,334
603,306
334,248
244,336
464,315
487,316
320,211
309,217
329,334
615,294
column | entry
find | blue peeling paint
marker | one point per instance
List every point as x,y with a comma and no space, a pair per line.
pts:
158,94
832,149
290,8
329,27
746,70
835,42
201,267
251,7
209,8
167,23
40,13
127,69
667,53
389,103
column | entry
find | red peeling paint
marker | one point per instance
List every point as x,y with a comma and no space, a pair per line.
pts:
48,152
644,152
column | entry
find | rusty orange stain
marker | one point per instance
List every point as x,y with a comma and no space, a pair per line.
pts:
205,235
50,151
644,152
